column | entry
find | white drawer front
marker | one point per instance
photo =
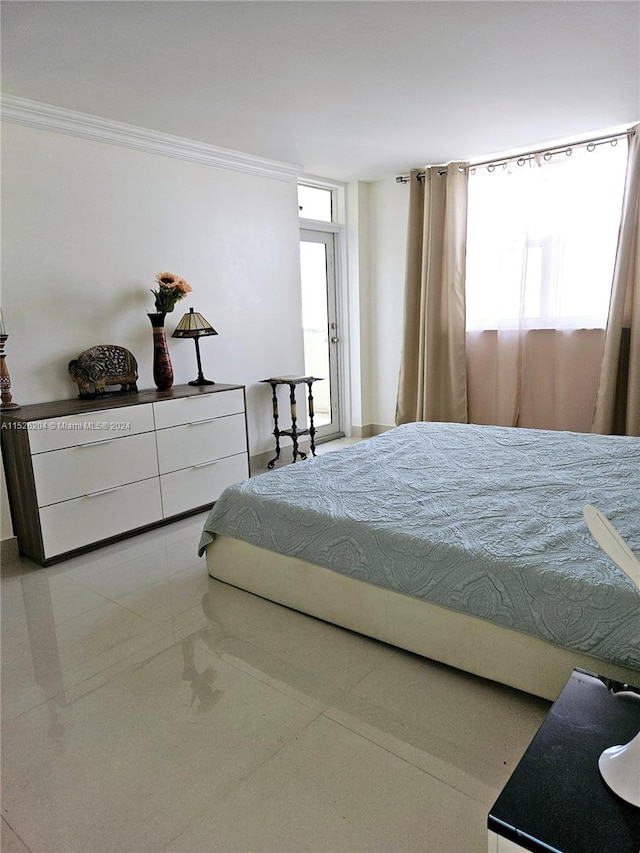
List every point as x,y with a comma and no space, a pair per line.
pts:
169,413
184,446
72,430
201,485
64,474
74,524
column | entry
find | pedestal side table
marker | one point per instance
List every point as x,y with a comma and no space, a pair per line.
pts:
293,431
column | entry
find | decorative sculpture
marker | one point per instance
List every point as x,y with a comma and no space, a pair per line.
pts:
101,366
7,404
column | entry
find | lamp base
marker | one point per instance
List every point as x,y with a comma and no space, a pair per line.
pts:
202,381
620,768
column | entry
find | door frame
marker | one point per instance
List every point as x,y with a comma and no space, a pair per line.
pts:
338,228
308,230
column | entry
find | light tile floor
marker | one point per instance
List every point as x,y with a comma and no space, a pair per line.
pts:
147,707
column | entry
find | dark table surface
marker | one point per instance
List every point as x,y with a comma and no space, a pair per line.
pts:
556,798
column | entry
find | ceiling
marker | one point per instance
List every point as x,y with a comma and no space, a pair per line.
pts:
358,90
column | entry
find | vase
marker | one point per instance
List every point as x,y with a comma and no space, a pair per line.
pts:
162,368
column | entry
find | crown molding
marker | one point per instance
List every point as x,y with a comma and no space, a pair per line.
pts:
42,116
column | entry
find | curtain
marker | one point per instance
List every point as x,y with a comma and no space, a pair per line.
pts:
540,249
618,400
559,378
433,379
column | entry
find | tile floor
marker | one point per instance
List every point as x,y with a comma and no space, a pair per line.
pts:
147,707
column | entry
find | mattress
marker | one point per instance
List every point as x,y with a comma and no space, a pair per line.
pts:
482,520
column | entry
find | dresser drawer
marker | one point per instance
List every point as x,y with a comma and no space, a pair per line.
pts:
200,407
75,471
202,484
202,441
73,524
72,430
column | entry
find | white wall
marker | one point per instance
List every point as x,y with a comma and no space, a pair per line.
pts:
85,228
388,215
377,214
357,350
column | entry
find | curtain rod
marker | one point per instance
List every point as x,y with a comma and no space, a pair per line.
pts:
521,159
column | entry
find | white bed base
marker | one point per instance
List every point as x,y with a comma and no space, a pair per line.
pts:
465,642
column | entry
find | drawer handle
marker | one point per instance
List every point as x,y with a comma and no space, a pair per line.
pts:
95,443
103,492
208,396
203,421
216,418
204,464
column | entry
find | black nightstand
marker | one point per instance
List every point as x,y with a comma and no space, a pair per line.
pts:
556,799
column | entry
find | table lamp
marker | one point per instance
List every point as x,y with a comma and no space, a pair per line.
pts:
619,765
193,325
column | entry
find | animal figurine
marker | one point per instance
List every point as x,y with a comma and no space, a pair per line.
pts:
103,365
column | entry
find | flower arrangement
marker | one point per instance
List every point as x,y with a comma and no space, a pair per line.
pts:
171,289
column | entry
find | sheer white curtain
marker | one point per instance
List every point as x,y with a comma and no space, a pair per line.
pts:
540,249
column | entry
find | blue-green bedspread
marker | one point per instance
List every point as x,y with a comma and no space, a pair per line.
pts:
484,520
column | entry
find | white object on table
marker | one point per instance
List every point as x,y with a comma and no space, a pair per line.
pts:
619,765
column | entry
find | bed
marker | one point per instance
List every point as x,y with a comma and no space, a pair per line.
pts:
462,543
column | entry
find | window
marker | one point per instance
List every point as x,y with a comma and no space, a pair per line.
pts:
315,203
541,239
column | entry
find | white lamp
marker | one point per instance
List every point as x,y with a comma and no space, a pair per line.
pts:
619,765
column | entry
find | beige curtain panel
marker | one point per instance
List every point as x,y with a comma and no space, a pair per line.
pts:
618,400
433,374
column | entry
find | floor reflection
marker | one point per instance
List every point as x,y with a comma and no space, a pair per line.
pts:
203,693
172,714
43,643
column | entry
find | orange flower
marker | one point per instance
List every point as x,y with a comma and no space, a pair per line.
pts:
166,279
172,288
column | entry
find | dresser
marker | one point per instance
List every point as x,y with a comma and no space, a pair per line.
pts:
82,473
